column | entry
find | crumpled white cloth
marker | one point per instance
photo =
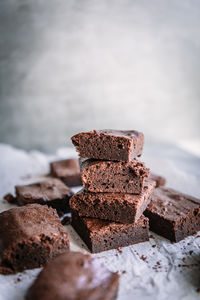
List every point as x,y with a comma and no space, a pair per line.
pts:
153,270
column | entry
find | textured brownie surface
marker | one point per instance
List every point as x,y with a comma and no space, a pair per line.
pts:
67,170
50,191
29,236
102,235
172,214
113,176
109,144
160,181
74,276
123,208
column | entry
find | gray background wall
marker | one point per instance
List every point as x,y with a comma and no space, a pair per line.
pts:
67,66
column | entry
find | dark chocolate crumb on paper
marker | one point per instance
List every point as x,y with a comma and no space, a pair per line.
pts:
10,198
66,220
119,250
144,258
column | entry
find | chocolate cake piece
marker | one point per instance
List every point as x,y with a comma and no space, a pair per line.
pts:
100,235
160,180
113,177
67,170
172,214
73,275
109,144
29,236
50,191
123,208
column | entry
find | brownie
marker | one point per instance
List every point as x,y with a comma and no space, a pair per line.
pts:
172,214
74,276
29,236
109,144
100,235
160,181
67,170
113,176
50,191
123,208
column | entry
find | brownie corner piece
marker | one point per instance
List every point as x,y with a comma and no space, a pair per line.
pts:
30,235
100,235
173,214
67,170
119,145
50,191
74,275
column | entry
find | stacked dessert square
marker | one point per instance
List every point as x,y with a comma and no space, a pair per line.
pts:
108,212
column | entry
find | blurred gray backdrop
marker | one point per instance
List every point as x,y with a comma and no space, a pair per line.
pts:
68,66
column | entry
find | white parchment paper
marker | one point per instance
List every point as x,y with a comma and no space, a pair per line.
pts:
157,269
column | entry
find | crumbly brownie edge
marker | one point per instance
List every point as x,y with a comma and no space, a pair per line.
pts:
33,254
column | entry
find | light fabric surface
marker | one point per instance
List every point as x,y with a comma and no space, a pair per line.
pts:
154,270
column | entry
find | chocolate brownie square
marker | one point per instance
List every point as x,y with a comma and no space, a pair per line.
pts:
73,275
109,144
29,236
113,177
51,191
160,180
67,170
172,214
100,235
123,208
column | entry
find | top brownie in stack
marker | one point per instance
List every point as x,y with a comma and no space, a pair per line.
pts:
109,144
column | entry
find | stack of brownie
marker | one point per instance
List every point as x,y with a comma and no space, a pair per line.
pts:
108,212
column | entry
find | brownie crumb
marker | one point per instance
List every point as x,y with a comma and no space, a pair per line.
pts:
124,272
155,268
18,279
188,266
119,250
190,252
66,220
183,259
10,198
198,290
151,236
153,246
144,258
